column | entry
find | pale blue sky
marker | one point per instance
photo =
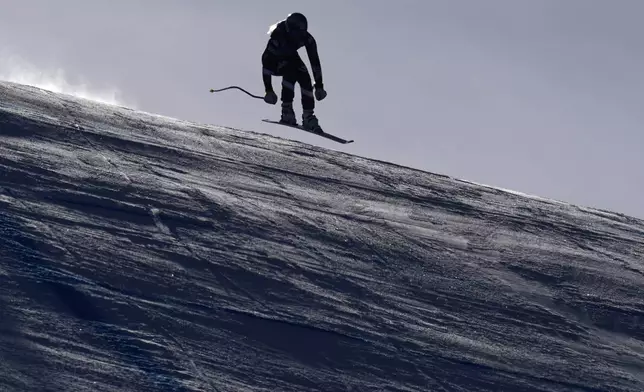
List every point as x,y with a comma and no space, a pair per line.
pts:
543,97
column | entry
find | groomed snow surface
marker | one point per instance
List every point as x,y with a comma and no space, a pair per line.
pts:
143,253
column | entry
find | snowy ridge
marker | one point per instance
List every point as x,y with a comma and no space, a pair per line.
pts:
535,197
143,253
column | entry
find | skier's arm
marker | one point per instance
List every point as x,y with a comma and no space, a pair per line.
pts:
314,58
268,85
267,65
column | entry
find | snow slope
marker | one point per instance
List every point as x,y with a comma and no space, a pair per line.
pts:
143,253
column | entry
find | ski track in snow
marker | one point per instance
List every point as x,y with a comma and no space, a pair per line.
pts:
142,253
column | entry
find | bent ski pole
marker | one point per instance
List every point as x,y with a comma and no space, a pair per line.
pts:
238,88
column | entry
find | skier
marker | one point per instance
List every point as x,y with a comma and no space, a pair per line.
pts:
280,58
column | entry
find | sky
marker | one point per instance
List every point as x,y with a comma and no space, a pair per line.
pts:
542,97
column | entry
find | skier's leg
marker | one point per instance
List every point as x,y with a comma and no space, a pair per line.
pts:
301,75
309,120
288,95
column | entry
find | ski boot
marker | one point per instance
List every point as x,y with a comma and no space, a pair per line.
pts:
288,114
310,122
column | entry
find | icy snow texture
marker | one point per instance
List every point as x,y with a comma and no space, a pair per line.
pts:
142,253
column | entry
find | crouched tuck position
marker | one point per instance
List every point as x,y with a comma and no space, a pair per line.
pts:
280,58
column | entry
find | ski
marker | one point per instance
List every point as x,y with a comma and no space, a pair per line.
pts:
323,134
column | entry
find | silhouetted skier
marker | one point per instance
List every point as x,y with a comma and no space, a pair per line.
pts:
280,58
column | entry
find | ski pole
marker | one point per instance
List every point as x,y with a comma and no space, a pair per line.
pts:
238,88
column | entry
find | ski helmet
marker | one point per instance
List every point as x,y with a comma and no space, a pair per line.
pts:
297,22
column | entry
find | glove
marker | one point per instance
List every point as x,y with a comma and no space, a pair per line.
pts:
320,93
270,97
